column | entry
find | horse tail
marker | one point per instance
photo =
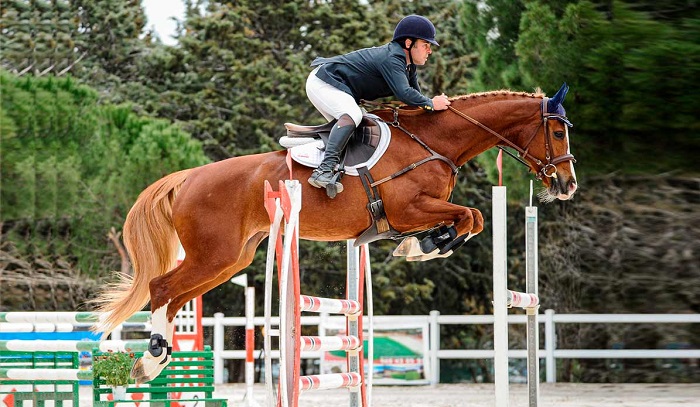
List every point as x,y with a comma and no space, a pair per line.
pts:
152,244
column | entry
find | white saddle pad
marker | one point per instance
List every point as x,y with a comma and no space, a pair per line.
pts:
311,154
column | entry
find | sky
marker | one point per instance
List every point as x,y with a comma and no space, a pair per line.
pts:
159,12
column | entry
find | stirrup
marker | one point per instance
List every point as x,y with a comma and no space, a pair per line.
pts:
334,187
316,174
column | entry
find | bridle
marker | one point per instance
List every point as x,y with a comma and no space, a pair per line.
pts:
547,169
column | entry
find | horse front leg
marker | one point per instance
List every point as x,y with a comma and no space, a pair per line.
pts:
455,225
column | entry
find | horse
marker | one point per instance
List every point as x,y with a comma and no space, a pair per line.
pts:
216,211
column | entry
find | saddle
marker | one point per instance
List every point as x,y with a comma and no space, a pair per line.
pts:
363,150
360,148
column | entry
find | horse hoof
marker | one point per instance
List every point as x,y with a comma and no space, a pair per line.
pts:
435,254
409,247
148,367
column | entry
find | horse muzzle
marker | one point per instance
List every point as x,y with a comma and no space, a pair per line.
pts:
562,188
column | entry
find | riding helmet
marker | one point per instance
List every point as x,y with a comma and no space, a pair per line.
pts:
415,26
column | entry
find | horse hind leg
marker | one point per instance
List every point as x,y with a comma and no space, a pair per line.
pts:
246,258
164,289
157,357
158,354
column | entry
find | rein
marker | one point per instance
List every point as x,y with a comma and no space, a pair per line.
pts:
547,170
524,152
433,154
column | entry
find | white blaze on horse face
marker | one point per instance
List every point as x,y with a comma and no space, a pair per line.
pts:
571,163
569,185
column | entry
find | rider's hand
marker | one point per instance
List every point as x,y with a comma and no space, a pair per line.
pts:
440,102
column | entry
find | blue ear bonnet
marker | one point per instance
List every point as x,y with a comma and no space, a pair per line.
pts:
554,104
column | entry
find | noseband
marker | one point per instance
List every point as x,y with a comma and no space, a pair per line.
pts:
547,169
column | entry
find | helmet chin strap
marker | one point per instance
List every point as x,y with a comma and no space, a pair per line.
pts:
410,55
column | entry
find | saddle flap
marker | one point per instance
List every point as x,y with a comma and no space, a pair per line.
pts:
369,132
370,141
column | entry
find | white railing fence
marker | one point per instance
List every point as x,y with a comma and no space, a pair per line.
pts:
434,354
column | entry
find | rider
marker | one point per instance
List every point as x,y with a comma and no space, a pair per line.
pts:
337,84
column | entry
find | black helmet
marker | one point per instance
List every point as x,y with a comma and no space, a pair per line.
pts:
415,26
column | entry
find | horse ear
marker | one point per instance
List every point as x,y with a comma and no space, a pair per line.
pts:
558,98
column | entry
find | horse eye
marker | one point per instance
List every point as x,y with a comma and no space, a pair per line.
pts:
559,135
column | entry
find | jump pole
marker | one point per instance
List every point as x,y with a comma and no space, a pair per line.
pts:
500,308
531,286
292,303
504,298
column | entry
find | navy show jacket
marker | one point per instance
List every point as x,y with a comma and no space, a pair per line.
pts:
372,73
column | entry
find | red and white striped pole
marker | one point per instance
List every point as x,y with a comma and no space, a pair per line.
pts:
249,345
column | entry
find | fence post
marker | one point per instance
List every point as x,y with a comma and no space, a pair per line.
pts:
218,348
500,288
550,340
434,333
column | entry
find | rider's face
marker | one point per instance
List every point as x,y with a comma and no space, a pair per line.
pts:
420,52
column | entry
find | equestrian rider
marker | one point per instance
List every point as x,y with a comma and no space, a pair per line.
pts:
337,84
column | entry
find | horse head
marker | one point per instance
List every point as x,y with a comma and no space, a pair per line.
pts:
551,157
532,124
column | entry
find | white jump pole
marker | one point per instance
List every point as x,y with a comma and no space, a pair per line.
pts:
504,299
353,321
242,280
531,278
500,288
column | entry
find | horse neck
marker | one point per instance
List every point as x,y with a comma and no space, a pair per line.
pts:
514,117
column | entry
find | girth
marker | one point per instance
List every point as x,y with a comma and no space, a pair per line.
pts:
380,227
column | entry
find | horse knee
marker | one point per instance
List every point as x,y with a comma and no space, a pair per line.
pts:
478,221
465,223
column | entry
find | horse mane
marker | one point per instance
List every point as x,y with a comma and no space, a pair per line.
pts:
406,110
503,92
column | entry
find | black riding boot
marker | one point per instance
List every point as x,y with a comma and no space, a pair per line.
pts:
337,140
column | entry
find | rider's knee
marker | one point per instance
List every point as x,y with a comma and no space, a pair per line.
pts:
353,118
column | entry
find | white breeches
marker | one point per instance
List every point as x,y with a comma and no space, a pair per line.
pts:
331,101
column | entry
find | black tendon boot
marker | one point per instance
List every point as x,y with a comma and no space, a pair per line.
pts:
337,140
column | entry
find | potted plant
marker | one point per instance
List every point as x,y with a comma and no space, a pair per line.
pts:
114,369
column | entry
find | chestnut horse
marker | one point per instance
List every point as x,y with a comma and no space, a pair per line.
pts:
216,211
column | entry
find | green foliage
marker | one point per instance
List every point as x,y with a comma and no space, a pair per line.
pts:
630,75
98,39
71,169
491,29
113,367
240,68
630,69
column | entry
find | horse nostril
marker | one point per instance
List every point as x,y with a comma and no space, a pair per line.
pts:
572,186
